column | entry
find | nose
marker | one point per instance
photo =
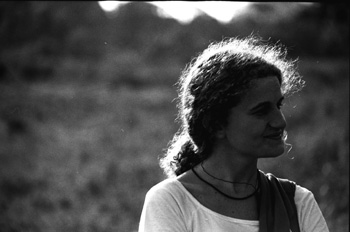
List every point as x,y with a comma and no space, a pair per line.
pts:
278,120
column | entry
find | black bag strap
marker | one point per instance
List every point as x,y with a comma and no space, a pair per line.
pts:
290,187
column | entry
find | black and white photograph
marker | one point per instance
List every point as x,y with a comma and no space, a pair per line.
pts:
174,116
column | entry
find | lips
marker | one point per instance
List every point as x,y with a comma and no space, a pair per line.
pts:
275,135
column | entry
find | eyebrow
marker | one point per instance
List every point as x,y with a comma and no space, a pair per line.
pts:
265,103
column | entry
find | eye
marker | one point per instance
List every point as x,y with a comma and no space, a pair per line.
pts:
280,104
263,110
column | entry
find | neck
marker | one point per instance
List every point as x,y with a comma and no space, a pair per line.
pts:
231,167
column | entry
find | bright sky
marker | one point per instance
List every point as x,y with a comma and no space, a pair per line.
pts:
185,11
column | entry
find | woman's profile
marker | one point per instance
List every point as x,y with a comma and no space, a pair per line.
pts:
230,99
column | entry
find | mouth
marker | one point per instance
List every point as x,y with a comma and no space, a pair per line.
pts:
275,136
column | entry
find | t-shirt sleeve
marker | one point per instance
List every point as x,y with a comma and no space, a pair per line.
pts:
161,213
309,214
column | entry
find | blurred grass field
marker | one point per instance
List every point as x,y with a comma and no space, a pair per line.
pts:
87,107
81,157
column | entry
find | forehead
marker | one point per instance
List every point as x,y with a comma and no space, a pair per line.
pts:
263,89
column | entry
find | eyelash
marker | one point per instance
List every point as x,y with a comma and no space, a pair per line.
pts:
280,105
261,112
265,110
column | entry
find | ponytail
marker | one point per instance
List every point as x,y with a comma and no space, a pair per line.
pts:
181,156
186,159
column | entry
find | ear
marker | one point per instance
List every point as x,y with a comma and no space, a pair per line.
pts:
206,122
213,127
219,131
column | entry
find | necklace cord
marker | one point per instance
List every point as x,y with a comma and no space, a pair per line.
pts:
224,194
232,182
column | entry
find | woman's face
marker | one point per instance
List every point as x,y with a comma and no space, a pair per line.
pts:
255,126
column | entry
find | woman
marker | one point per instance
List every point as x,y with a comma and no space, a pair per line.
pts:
230,111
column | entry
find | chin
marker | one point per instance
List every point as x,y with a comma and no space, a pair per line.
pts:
277,154
275,148
272,152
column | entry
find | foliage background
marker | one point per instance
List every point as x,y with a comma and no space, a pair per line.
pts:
86,107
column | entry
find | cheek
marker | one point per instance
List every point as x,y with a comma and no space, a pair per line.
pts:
247,128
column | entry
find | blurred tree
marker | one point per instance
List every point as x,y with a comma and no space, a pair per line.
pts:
39,35
70,40
317,29
325,29
137,26
196,35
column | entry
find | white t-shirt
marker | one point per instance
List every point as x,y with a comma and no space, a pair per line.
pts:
169,207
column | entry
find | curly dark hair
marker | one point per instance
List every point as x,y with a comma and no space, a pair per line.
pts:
213,83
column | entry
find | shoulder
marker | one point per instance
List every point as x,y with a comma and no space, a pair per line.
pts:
304,199
280,183
309,214
166,190
163,209
302,194
171,194
164,186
